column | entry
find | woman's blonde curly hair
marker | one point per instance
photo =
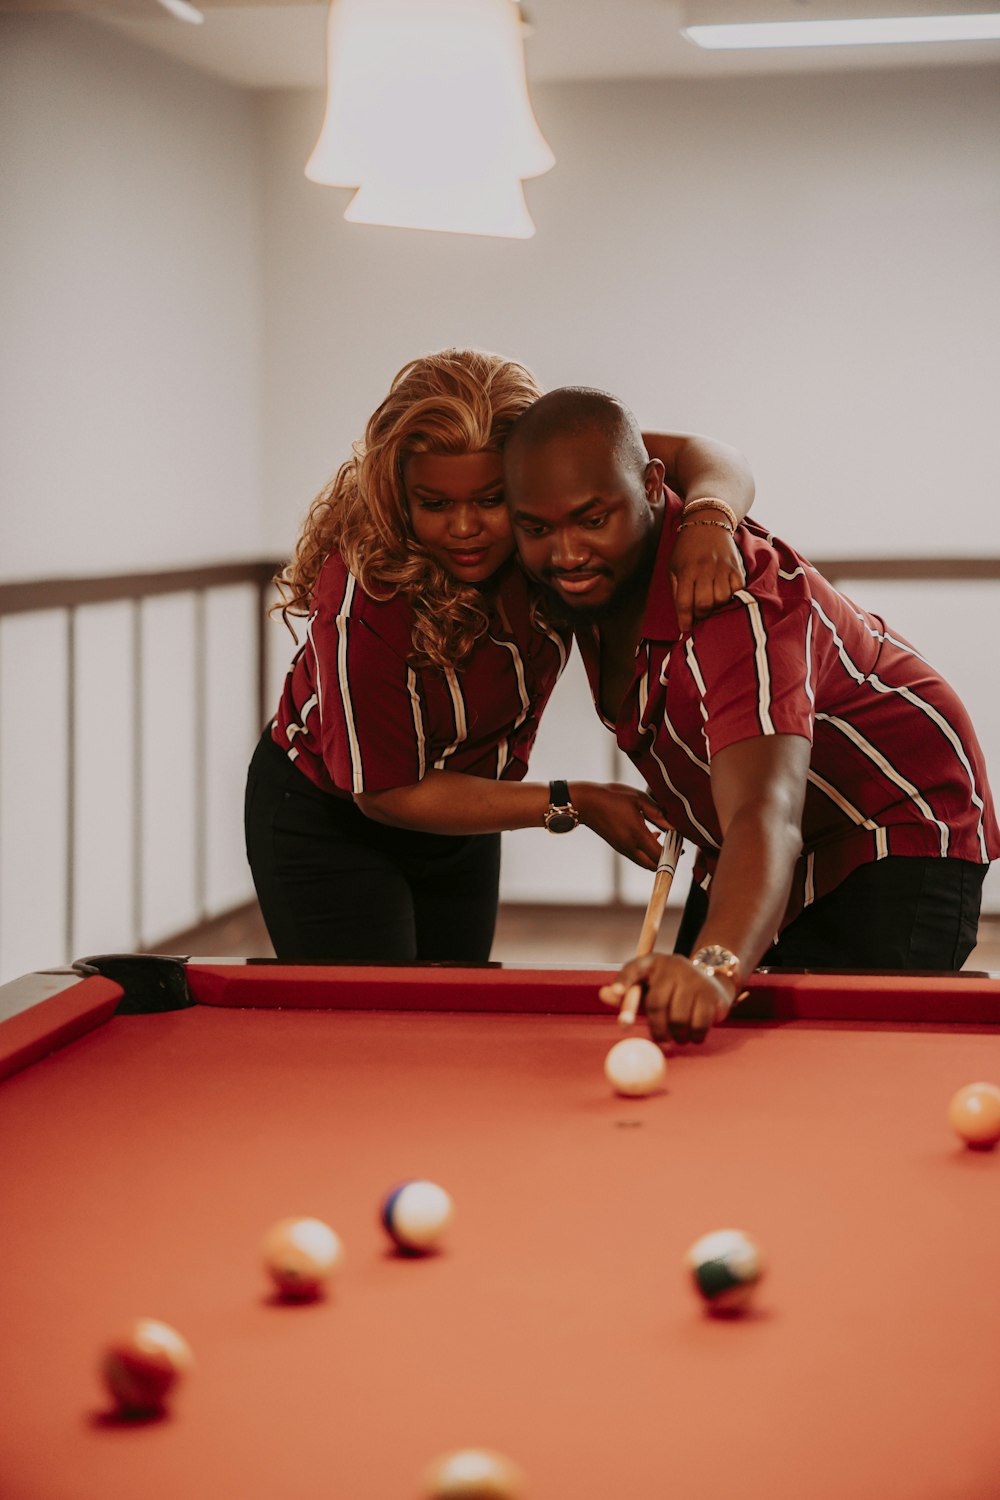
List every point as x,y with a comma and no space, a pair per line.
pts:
457,401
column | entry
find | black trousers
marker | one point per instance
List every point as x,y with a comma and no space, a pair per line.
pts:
335,887
901,912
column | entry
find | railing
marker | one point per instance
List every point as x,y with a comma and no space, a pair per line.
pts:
69,599
68,596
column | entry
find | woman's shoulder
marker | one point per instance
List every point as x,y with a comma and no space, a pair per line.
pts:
340,593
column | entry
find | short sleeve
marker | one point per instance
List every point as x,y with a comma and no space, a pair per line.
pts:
370,707
754,666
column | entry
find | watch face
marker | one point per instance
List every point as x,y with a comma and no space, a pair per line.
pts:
560,822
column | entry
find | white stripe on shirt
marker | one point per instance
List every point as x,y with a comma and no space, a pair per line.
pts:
418,722
760,656
343,614
458,708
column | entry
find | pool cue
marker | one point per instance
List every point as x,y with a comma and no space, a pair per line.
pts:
669,855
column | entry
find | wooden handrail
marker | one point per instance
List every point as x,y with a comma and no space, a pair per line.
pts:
67,593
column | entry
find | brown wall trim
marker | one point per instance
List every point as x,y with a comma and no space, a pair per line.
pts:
65,593
937,569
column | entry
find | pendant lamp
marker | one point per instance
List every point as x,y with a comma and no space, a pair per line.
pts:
428,115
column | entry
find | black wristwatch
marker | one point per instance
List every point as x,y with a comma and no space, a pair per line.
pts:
560,815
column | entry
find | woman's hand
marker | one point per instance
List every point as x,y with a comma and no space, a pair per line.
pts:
706,570
681,1003
621,816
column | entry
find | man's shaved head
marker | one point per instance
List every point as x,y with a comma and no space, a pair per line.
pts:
573,410
585,500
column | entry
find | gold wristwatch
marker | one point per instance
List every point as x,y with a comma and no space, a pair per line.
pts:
560,815
717,963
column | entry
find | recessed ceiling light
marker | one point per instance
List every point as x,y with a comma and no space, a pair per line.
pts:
870,31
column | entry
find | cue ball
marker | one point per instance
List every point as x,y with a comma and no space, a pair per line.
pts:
143,1365
300,1256
473,1474
635,1067
416,1214
726,1267
974,1114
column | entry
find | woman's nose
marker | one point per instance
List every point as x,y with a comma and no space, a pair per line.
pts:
465,520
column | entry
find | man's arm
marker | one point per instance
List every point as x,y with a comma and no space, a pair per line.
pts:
705,566
758,787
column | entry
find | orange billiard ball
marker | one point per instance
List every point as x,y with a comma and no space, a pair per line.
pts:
974,1114
300,1256
143,1365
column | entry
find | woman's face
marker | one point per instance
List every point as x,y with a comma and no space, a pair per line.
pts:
458,513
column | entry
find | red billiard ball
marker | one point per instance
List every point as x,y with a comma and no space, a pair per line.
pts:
974,1114
144,1364
300,1256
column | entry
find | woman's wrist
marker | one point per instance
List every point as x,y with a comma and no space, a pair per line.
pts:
702,503
580,794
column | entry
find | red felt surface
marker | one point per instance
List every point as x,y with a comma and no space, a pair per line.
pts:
142,1163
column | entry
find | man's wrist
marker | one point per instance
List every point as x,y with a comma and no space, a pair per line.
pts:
717,962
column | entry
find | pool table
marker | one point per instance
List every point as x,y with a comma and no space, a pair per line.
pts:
157,1117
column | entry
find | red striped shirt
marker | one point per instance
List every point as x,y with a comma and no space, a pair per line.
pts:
357,716
896,767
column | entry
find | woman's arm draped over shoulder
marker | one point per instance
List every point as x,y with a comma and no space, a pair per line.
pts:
706,567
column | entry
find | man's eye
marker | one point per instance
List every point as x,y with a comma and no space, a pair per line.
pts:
530,530
489,502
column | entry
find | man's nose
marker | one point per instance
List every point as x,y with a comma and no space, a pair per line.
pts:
569,551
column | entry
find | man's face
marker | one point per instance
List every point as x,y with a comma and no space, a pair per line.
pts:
584,518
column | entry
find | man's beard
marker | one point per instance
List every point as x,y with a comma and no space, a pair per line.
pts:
621,601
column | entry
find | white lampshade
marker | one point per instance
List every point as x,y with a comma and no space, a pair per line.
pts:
428,115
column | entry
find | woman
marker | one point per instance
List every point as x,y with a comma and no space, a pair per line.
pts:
376,798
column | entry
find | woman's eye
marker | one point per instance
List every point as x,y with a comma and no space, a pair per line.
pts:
430,504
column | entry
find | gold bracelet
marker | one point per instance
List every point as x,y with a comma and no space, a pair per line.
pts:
711,502
724,524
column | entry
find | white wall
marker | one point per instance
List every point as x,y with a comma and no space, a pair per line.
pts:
130,282
806,267
193,336
130,364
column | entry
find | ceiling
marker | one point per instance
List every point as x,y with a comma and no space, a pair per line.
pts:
282,45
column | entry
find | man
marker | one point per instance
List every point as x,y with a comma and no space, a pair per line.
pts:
830,779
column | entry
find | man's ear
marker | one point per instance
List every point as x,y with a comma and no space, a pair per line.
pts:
652,480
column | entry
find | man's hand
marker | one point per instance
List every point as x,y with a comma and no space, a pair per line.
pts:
680,1002
706,570
621,816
